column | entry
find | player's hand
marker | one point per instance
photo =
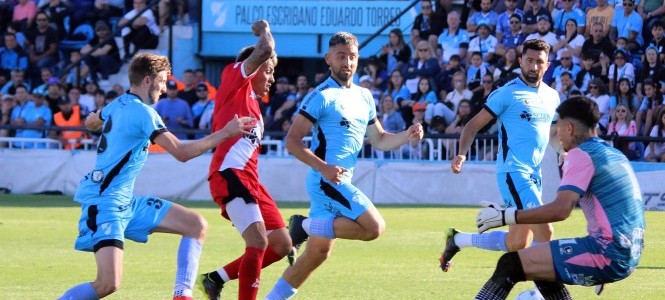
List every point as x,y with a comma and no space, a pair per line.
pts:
259,27
493,215
333,174
456,164
415,132
242,125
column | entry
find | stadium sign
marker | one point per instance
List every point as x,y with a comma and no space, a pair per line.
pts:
307,17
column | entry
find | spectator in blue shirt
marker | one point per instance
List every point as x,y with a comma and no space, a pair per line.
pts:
17,79
485,16
565,66
175,112
531,16
627,23
12,56
30,113
514,38
453,40
503,20
569,12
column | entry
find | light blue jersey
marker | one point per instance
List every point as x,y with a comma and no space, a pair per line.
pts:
524,117
129,126
340,116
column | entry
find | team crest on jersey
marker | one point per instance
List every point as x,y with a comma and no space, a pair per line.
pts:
97,176
345,123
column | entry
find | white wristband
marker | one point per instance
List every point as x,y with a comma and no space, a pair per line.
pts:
509,216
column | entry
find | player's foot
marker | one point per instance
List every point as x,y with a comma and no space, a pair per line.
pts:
183,298
208,287
297,233
450,250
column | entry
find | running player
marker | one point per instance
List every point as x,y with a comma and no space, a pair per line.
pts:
109,210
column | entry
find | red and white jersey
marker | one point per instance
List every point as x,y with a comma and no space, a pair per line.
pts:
235,96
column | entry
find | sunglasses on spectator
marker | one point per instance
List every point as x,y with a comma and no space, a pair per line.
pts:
593,87
514,22
487,81
621,110
201,90
422,50
565,58
628,4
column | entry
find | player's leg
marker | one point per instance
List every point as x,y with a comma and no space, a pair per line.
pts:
316,252
154,214
100,231
341,211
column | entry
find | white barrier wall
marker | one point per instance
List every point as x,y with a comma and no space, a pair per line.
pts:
384,181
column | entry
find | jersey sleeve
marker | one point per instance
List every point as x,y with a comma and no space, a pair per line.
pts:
312,107
233,77
150,124
496,104
578,170
372,107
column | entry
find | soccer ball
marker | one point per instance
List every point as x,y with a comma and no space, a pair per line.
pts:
529,295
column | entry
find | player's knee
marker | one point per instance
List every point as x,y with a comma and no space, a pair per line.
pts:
516,244
375,231
282,246
199,227
319,254
509,267
106,287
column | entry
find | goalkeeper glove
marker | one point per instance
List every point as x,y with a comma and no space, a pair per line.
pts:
492,216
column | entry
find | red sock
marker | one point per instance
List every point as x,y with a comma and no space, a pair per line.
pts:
269,257
250,273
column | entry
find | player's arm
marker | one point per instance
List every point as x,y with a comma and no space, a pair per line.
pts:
184,151
493,215
263,49
93,122
385,141
299,129
471,129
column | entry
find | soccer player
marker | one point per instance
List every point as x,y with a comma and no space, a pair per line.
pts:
601,180
233,175
109,210
524,108
339,114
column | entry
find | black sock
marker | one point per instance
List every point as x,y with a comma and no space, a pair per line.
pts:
508,272
553,290
214,276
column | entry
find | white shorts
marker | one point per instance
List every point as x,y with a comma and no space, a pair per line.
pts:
243,214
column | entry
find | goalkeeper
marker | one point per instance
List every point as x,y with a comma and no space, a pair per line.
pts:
601,179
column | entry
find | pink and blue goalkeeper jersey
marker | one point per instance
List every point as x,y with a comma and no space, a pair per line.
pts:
611,199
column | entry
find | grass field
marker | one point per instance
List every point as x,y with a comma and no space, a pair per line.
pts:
39,262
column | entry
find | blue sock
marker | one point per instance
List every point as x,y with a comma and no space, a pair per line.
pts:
322,227
189,253
495,241
281,291
83,291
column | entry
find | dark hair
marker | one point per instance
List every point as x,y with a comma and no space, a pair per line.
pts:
581,109
474,53
535,44
657,24
147,64
343,38
244,53
400,36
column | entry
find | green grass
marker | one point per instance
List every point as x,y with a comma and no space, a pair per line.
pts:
38,260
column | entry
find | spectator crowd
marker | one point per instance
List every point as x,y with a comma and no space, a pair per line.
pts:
439,76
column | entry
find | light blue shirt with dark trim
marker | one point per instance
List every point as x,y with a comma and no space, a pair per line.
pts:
129,127
340,116
524,117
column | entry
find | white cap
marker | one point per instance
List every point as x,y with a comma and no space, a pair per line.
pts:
366,77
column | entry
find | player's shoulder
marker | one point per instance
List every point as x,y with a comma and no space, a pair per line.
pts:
319,94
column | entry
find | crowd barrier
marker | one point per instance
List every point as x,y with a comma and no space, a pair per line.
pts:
385,181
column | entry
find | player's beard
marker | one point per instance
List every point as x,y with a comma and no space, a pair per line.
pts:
153,94
531,77
341,75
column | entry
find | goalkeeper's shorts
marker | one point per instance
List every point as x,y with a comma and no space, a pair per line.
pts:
581,261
